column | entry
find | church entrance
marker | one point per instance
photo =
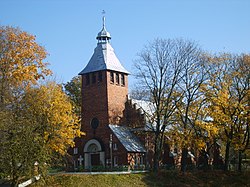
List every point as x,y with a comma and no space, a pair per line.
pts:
93,154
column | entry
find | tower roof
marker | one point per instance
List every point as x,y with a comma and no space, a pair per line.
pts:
104,57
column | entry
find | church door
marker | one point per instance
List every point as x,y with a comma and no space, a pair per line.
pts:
95,159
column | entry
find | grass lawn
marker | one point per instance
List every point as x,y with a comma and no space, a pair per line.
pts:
164,178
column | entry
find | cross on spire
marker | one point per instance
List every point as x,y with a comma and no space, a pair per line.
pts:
103,36
103,18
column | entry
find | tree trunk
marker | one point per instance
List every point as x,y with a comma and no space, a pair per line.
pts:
156,155
240,161
226,166
156,162
184,155
14,182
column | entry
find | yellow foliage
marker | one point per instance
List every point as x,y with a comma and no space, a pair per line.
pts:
35,120
21,57
51,108
228,96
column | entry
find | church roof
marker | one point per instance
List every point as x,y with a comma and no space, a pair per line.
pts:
128,139
104,57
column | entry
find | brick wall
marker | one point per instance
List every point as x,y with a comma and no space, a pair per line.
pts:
116,98
103,100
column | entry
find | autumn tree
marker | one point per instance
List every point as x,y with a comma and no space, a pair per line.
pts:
160,69
35,120
21,61
228,93
53,113
39,124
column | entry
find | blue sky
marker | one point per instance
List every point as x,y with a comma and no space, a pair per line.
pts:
68,28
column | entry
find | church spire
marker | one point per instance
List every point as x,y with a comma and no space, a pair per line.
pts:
104,57
103,21
103,36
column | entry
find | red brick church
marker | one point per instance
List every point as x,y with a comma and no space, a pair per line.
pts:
116,128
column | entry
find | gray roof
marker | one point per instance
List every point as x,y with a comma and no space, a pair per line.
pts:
104,58
128,139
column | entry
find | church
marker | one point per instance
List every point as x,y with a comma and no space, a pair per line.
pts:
118,133
113,123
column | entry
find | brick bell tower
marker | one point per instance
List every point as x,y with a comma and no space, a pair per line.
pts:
104,93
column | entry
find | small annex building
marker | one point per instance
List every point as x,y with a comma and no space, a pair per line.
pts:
109,118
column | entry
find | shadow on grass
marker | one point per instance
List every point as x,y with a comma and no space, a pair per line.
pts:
197,178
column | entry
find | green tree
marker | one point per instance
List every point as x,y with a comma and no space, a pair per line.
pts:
73,90
21,146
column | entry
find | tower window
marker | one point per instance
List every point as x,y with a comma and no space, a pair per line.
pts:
123,79
117,78
112,77
100,76
87,79
93,78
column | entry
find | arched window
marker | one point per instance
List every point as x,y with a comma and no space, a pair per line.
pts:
92,148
